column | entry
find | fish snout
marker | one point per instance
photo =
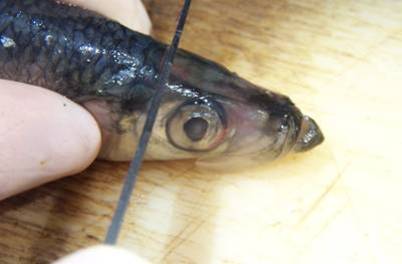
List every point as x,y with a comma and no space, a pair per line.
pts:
310,135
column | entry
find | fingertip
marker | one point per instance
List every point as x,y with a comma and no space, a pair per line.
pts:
136,17
44,136
82,137
102,255
130,13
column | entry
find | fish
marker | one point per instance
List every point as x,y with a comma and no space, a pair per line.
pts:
207,111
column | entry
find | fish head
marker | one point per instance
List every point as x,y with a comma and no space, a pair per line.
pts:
207,113
210,112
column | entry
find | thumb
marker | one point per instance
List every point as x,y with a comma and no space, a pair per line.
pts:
43,136
102,255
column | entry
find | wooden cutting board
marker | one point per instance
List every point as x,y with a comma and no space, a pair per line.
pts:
341,62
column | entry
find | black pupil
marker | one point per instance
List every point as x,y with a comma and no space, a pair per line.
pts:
196,128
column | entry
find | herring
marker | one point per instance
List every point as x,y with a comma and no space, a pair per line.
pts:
208,111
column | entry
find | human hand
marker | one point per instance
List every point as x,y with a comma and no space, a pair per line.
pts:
102,255
45,136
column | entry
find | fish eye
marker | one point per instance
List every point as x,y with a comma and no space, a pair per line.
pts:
197,125
196,128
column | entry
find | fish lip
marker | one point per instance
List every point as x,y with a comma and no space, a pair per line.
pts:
310,135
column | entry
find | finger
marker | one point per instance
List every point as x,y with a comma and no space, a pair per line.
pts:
102,255
130,13
43,136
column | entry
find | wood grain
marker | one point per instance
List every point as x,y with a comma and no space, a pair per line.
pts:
341,62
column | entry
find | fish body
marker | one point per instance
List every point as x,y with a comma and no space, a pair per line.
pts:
208,111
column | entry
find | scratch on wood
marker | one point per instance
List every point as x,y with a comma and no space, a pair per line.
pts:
178,241
322,196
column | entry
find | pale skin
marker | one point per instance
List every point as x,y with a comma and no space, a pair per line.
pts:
44,136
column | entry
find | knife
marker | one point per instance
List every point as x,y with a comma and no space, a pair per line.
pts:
135,165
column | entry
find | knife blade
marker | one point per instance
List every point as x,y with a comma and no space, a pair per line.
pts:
135,165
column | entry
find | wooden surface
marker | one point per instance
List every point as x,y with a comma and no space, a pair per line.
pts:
341,62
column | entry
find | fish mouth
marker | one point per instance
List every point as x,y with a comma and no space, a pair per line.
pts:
310,135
